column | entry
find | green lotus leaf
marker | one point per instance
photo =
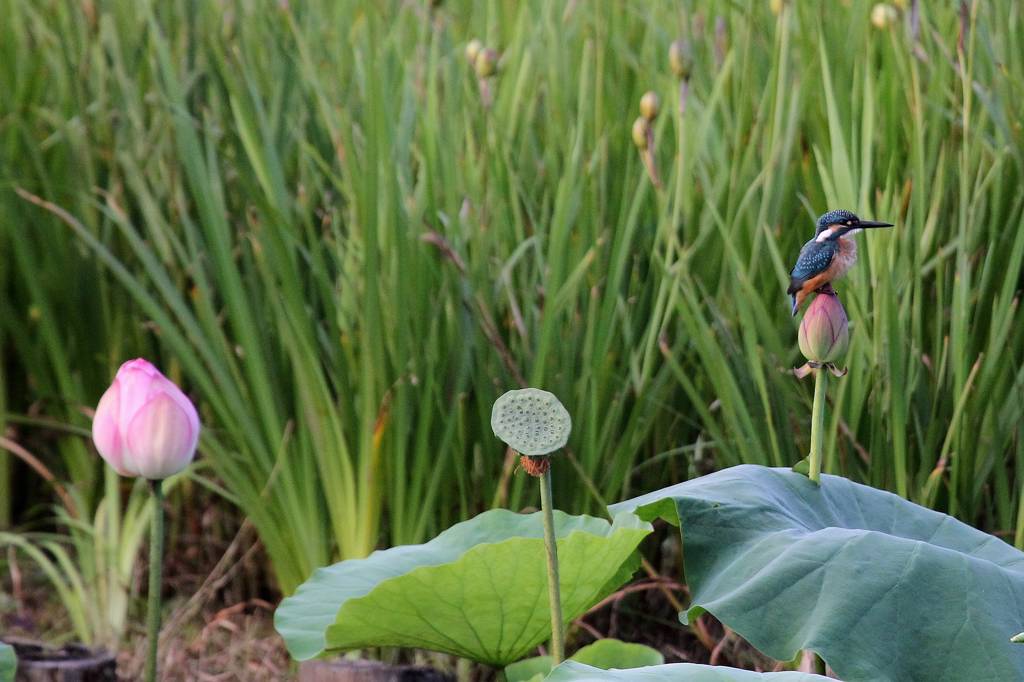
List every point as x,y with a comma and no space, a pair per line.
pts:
477,590
573,671
8,663
528,669
879,587
604,654
612,653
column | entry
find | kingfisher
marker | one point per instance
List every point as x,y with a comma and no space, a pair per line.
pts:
828,256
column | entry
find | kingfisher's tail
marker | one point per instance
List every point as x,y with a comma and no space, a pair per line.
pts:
796,305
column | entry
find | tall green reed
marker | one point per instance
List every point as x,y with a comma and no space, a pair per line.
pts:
290,243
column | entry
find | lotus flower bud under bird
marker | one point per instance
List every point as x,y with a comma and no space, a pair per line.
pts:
144,424
824,332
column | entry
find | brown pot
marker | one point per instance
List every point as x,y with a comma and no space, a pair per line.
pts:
367,671
70,663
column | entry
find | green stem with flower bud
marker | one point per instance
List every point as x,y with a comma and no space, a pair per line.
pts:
156,561
818,423
554,590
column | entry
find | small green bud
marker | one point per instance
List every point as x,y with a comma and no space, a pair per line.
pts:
824,331
473,48
486,62
640,129
680,58
650,105
884,15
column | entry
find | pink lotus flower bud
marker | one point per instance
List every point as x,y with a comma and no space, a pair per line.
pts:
824,331
144,424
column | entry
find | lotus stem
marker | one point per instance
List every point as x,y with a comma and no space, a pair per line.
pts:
156,560
486,95
684,92
818,423
649,161
554,591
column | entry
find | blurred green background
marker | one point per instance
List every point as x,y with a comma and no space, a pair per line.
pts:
316,218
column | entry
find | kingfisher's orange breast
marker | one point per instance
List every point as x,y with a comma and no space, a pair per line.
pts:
844,259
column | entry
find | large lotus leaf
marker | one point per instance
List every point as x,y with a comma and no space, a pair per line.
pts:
477,590
604,654
572,671
8,663
881,588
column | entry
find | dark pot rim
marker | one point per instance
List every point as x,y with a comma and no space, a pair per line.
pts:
41,656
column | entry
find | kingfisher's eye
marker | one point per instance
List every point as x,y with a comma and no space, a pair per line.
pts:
849,222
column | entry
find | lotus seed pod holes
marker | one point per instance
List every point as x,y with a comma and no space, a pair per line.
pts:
531,421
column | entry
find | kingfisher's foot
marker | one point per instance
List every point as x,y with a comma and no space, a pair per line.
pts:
826,288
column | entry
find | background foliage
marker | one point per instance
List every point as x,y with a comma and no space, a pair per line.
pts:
306,212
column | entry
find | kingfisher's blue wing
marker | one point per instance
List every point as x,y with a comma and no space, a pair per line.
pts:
815,257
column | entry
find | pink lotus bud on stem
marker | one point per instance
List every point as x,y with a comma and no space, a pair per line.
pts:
824,337
824,332
144,425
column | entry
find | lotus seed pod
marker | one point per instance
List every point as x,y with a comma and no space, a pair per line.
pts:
486,62
640,129
680,59
884,15
473,48
824,331
776,6
531,421
650,105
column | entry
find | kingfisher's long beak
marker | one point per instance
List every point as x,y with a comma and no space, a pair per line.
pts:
872,223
